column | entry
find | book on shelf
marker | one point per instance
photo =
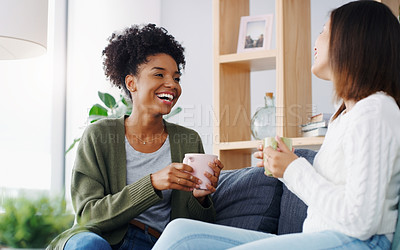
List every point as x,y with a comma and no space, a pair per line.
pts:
320,117
314,125
315,132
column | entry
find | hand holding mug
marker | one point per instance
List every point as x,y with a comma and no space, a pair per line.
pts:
206,168
217,166
175,176
276,154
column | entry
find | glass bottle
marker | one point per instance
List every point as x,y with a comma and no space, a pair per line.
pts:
263,121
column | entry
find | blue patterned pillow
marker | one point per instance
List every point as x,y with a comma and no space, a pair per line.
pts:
246,198
293,210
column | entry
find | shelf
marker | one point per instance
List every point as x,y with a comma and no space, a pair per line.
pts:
253,61
291,59
248,146
238,145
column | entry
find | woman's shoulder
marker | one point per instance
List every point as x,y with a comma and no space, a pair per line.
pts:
105,123
105,126
379,104
377,110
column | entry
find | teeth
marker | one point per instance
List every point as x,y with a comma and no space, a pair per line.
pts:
168,96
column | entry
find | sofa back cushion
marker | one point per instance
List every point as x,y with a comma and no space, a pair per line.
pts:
246,198
293,210
293,213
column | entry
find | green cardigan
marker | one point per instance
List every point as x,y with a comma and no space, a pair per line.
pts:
103,203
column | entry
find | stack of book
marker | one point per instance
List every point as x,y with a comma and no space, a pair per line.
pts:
317,125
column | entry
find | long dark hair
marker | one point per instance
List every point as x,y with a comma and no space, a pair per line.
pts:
364,51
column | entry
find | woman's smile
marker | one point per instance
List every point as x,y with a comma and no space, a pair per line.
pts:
166,97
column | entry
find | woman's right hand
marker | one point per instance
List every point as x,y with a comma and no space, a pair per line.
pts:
175,176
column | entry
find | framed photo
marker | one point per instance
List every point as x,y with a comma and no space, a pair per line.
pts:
255,33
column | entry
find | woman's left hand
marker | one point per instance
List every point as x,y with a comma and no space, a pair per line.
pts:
278,160
217,166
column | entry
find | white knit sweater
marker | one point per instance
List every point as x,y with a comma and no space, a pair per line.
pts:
353,186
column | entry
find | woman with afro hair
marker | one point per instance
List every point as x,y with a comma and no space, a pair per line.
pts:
128,179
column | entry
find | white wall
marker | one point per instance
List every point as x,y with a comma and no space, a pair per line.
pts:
190,21
25,159
322,90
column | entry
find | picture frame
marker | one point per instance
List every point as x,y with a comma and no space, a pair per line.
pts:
255,33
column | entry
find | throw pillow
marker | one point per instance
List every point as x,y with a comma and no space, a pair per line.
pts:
246,198
293,210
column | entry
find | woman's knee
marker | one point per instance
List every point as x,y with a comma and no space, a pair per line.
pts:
87,240
181,224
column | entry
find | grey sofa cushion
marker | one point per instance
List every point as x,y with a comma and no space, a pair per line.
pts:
246,198
293,211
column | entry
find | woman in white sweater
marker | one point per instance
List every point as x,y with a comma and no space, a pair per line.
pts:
352,190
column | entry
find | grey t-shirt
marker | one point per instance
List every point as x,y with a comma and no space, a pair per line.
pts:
141,164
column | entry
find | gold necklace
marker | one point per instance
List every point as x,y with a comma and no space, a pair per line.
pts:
155,137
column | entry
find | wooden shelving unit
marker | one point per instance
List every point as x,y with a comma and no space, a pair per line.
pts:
292,61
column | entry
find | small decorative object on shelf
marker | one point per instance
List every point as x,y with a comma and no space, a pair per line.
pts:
317,125
320,117
315,132
255,33
263,122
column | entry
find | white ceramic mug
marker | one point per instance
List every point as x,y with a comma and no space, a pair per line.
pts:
199,163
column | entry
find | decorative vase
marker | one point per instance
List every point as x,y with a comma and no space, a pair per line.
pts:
263,122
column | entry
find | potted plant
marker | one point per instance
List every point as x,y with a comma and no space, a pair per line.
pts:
32,222
112,109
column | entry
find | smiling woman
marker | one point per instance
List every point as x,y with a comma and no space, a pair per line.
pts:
128,179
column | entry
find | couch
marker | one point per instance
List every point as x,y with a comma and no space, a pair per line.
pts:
246,198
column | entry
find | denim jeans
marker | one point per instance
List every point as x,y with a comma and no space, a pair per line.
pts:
190,234
134,238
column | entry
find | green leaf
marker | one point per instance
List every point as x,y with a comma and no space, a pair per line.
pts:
107,99
95,118
72,145
172,113
123,100
128,105
120,111
97,109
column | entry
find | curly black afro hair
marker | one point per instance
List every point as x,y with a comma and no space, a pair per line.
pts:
126,51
